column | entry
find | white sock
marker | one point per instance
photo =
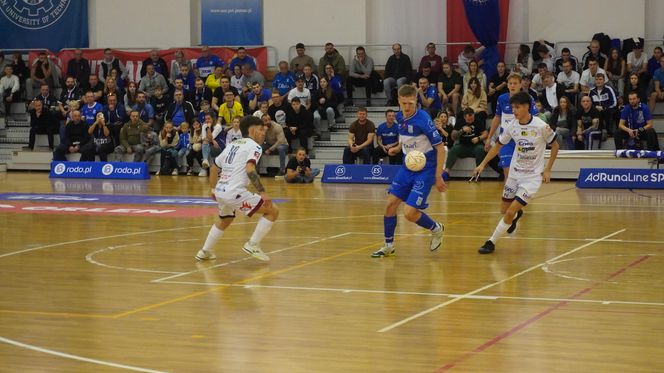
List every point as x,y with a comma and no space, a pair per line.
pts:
261,230
501,229
438,228
212,238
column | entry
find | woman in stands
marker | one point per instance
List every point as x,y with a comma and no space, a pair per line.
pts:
563,121
524,61
474,71
475,98
130,97
615,69
237,80
444,127
326,103
634,85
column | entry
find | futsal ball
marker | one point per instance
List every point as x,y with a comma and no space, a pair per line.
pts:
415,160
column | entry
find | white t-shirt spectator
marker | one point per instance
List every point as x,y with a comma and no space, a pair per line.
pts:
588,80
304,95
636,62
568,81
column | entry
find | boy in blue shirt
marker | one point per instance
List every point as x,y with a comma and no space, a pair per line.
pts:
387,136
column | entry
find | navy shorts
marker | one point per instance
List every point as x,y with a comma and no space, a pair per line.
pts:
413,187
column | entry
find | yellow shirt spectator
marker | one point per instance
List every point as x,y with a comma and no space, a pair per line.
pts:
228,113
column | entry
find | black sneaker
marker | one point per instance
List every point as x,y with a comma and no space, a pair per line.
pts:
512,227
487,248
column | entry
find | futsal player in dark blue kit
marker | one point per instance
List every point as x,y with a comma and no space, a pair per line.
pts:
416,133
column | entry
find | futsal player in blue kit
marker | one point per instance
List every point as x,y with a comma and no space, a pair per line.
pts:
416,132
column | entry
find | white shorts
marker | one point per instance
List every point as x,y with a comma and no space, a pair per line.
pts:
521,189
248,203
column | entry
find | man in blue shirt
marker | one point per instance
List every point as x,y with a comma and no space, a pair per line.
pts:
145,110
427,97
284,80
90,108
636,124
206,63
416,132
242,58
188,79
257,95
387,136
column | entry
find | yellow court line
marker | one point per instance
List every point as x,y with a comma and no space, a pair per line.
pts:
61,314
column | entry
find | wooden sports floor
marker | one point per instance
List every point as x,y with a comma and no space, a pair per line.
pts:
579,288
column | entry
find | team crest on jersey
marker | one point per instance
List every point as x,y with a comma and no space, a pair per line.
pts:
410,128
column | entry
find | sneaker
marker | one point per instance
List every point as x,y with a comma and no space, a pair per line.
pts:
255,251
436,238
205,255
175,172
205,163
487,248
202,173
512,227
157,173
384,251
188,171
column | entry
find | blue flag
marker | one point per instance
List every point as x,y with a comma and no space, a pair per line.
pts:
484,19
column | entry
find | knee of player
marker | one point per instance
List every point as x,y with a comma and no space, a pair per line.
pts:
411,214
274,211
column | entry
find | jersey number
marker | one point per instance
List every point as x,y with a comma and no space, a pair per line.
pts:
231,154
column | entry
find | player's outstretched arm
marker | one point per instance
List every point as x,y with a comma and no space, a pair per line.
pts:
441,156
546,175
213,178
489,156
255,180
492,131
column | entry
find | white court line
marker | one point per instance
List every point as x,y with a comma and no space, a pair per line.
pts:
180,274
548,267
478,290
75,357
91,255
393,292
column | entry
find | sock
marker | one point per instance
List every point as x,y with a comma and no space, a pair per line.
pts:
426,222
389,224
212,238
500,230
261,230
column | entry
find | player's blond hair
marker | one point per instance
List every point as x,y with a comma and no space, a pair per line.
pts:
407,90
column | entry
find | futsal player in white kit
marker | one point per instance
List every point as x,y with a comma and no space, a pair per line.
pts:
230,173
531,136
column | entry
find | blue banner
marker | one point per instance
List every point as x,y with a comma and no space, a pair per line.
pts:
484,19
49,24
359,174
232,22
621,178
99,170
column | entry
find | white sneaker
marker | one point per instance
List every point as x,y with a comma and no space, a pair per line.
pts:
205,163
202,173
175,172
437,238
255,251
205,255
384,251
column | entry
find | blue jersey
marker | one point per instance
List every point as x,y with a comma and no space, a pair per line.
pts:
283,83
206,65
265,95
389,135
432,92
636,118
90,112
419,133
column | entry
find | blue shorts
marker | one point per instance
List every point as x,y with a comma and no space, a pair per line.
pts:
506,155
413,187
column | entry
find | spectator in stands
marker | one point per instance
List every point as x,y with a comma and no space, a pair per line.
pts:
360,75
277,104
145,110
205,109
168,141
636,125
551,93
310,79
183,146
3,62
158,63
178,85
262,109
284,80
196,148
90,108
160,103
497,84
300,123
299,169
587,81
524,61
525,87
130,96
237,79
218,95
474,98
110,62
537,82
230,109
565,56
115,116
435,61
335,82
298,63
20,69
545,55
42,121
78,67
594,52
130,138
657,94
251,76
605,101
569,79
201,93
110,88
150,142
449,87
234,133
242,58
542,113
207,63
634,85
468,54
180,110
615,71
387,137
101,137
259,94
426,73
93,84
427,97
10,90
445,128
300,92
474,72
470,133
213,81
275,141
332,57
178,62
41,74
119,83
587,120
360,139
397,70
326,106
213,140
76,140
188,79
653,62
637,62
562,121
150,80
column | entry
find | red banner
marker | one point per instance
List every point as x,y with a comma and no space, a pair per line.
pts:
458,29
133,61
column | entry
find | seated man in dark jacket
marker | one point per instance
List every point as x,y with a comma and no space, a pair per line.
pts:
300,122
42,121
77,140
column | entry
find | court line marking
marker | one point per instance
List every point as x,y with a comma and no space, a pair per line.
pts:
180,274
547,268
76,357
395,292
478,290
89,257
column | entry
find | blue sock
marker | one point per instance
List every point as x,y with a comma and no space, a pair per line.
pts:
390,224
426,222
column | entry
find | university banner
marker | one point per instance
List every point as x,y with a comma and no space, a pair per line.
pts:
232,22
47,24
133,61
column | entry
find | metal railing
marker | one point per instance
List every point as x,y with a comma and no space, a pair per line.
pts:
378,52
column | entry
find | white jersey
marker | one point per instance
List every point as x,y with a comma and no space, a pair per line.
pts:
233,161
531,140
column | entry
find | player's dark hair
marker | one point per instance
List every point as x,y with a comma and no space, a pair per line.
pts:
248,122
521,98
